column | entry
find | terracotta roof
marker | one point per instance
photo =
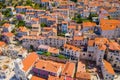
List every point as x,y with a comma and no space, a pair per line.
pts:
23,29
35,19
108,27
2,43
78,38
42,64
36,78
57,37
108,67
8,34
91,42
47,29
6,25
106,21
53,50
53,78
114,45
102,47
101,41
67,46
88,24
44,0
83,76
81,67
23,7
72,27
32,37
29,61
69,69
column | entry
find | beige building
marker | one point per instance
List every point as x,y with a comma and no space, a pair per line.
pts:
6,68
14,51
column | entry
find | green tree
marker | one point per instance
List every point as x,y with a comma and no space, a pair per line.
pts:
43,25
21,23
109,17
61,56
79,20
29,3
14,31
6,13
92,15
74,0
47,53
78,16
2,5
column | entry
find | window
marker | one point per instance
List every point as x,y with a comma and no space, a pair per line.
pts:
84,54
89,55
117,59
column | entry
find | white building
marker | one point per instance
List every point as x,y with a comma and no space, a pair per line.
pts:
55,41
107,70
71,51
14,51
34,41
23,67
100,54
113,55
6,68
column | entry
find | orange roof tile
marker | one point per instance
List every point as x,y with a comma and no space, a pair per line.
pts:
32,37
108,67
8,34
83,76
23,7
88,24
29,61
111,22
101,41
23,29
81,67
78,38
2,43
47,29
44,0
6,25
108,27
69,69
36,78
102,47
35,19
91,42
114,46
53,50
67,46
53,78
53,67
72,27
